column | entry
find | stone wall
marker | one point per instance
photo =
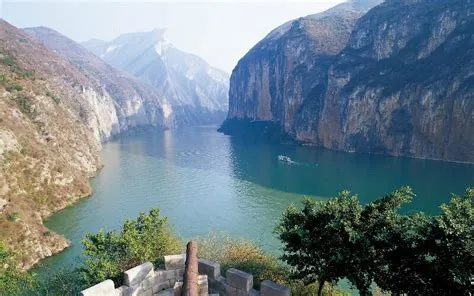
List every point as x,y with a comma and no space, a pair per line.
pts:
144,280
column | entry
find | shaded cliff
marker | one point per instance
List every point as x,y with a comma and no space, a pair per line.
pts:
198,92
396,80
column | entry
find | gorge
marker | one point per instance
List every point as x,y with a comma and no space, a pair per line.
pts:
396,80
132,124
60,104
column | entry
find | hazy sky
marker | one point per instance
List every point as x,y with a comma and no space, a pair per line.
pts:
220,32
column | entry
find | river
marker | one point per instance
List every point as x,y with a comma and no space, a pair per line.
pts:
205,181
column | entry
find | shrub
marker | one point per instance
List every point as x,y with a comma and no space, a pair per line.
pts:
243,255
246,256
59,283
8,60
15,217
24,104
12,281
14,87
109,254
53,97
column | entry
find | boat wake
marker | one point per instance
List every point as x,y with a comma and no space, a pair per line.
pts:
288,160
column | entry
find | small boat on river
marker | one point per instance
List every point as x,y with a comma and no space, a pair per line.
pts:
284,158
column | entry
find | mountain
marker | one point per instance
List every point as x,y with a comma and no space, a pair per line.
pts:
52,118
394,80
135,104
197,91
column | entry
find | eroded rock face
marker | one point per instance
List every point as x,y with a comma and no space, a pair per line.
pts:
118,102
397,80
52,120
197,93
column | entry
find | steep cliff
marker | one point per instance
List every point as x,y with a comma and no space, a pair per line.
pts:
51,120
136,104
198,92
397,81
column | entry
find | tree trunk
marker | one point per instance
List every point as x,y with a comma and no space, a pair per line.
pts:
190,285
320,288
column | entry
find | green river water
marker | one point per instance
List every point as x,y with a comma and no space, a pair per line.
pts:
205,181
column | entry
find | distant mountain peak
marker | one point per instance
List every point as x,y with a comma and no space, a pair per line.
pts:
196,89
163,44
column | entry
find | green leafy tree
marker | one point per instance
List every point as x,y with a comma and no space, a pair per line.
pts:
319,239
109,254
452,245
12,280
415,254
433,255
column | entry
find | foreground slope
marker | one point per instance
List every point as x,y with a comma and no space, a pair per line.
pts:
197,91
395,81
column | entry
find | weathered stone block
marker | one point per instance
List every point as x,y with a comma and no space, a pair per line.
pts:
136,275
239,279
269,288
178,287
167,292
104,288
209,268
175,261
241,292
132,291
254,292
150,282
167,275
217,285
161,287
180,272
229,290
203,285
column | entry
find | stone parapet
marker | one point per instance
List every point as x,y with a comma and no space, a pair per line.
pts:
144,280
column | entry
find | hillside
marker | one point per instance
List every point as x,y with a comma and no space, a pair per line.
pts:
49,140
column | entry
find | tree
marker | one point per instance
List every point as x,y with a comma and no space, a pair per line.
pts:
109,254
319,240
451,245
12,280
415,254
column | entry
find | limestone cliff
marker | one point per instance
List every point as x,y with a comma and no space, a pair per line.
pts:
51,119
198,92
133,104
395,80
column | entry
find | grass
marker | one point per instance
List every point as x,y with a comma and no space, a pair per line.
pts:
24,104
53,97
15,217
14,87
8,60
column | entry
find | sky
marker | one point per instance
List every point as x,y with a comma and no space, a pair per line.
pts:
221,32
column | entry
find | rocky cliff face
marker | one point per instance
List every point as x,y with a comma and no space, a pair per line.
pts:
52,117
396,80
130,103
198,92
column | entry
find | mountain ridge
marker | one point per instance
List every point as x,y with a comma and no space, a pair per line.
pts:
196,89
356,80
